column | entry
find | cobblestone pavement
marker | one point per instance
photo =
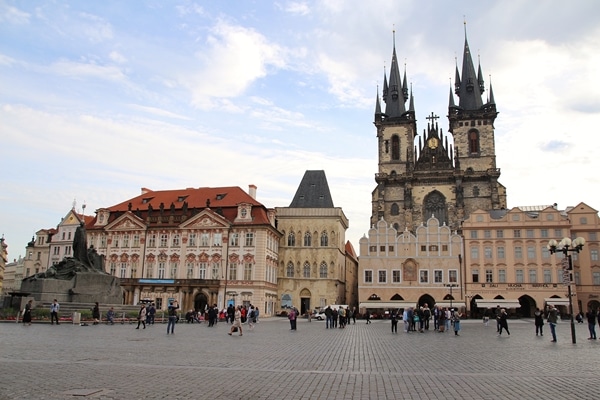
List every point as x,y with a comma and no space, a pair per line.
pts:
363,361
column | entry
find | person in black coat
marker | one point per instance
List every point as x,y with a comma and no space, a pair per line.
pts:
539,321
27,312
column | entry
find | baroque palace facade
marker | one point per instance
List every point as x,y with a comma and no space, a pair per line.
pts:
441,232
200,246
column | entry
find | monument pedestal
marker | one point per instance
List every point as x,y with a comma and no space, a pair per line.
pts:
84,287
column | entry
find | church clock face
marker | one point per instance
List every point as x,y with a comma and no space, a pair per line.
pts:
432,143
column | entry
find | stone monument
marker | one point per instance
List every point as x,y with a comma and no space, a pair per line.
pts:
77,279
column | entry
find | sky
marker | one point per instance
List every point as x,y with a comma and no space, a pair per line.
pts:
100,99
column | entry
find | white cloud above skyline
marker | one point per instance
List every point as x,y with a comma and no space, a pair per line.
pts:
99,101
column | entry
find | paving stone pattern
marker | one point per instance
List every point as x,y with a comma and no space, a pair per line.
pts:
362,361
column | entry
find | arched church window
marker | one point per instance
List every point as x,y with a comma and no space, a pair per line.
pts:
395,147
324,239
473,142
395,209
290,270
323,270
291,239
435,204
306,270
307,239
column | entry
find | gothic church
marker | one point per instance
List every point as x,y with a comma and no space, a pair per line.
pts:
427,175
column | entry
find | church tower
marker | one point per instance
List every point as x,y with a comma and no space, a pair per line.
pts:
472,127
420,176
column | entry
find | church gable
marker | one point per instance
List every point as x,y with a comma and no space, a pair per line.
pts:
70,219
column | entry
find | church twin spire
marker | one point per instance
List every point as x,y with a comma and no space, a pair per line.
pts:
469,86
395,92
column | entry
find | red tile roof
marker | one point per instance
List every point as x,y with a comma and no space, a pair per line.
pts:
195,198
188,202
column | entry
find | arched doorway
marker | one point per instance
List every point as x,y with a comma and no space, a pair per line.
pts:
304,301
593,305
426,299
200,302
476,312
528,306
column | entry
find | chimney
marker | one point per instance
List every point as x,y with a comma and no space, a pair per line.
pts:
145,190
252,191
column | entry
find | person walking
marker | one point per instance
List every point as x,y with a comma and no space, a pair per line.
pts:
142,316
456,322
328,318
441,320
354,316
552,321
503,322
256,314
426,316
394,319
497,313
27,312
368,317
150,314
54,307
342,317
539,322
172,312
591,318
237,321
293,316
96,313
448,318
251,316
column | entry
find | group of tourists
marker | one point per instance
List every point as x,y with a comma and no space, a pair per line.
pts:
339,318
418,319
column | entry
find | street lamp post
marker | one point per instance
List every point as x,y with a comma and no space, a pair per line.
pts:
566,246
451,285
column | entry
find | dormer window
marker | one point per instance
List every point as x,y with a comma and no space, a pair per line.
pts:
244,212
146,200
221,196
181,198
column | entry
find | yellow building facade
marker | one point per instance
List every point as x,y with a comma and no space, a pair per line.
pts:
508,263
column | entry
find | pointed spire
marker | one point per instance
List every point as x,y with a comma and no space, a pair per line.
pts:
385,86
451,98
480,76
411,105
377,107
456,79
404,85
469,91
491,101
395,98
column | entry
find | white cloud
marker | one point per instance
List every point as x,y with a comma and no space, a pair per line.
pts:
159,112
235,58
13,15
297,7
95,28
117,57
87,70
